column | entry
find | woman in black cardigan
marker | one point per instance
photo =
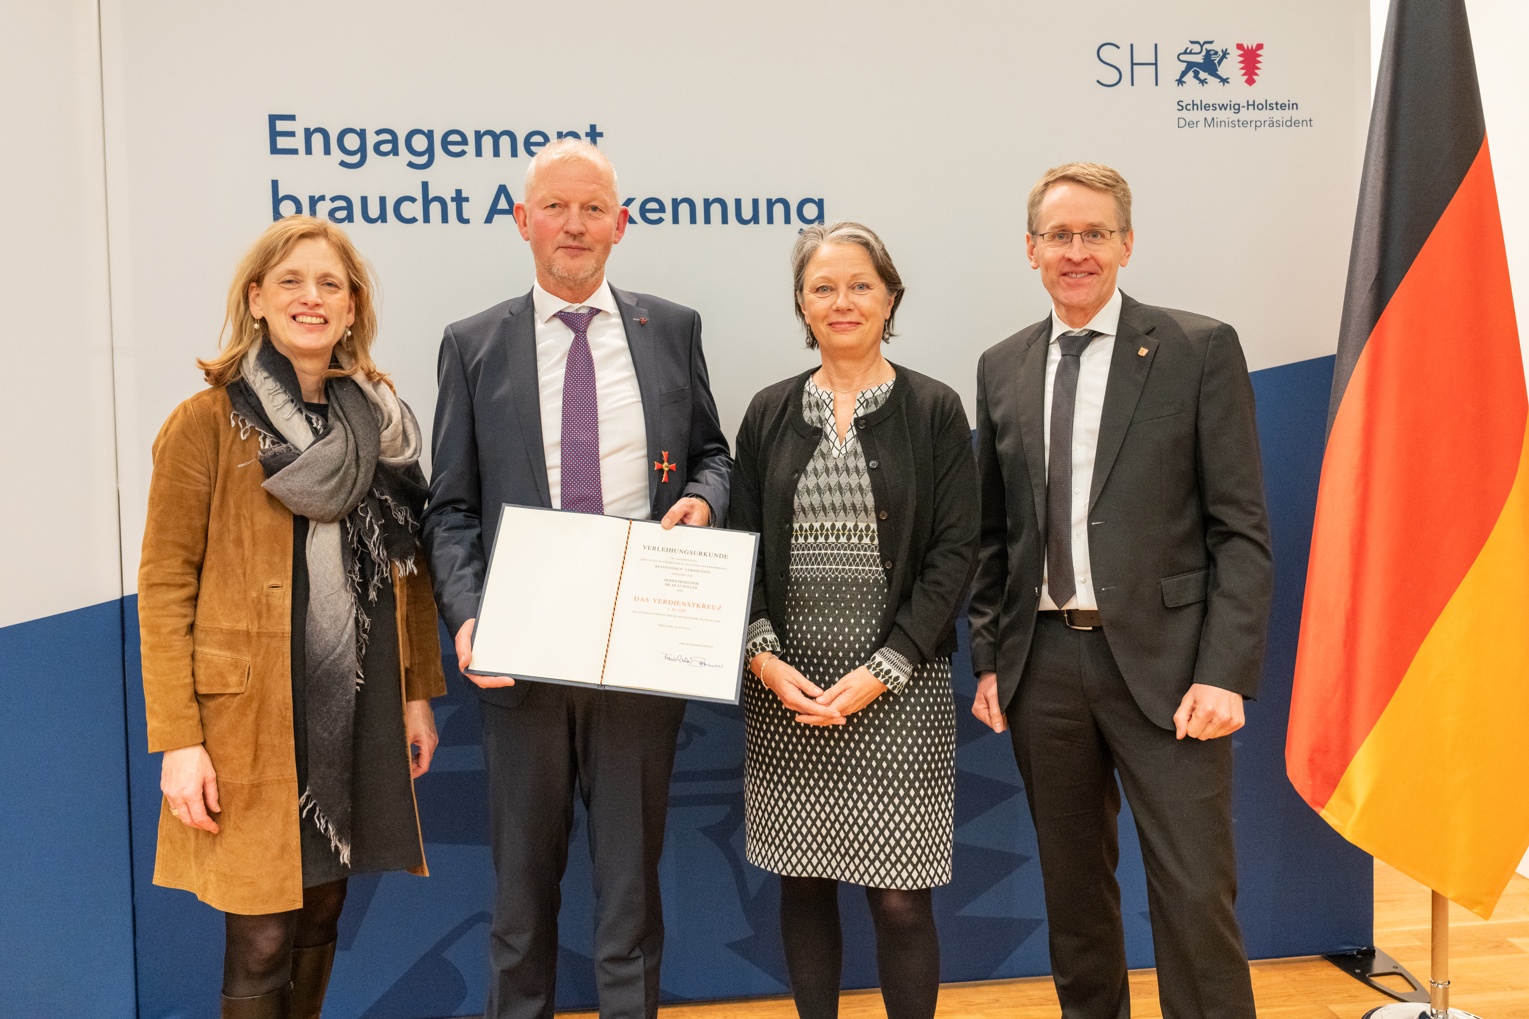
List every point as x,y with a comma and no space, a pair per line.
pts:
859,477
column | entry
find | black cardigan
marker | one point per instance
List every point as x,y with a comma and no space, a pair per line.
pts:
918,448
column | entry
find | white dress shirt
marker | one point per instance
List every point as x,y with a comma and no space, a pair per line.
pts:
1093,376
623,428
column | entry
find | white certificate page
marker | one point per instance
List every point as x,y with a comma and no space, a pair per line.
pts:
604,601
682,612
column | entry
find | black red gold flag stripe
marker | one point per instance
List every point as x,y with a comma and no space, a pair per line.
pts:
1412,676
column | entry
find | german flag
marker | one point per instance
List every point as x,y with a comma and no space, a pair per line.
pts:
1409,721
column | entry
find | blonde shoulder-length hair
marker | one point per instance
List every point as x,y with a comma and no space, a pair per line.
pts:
241,330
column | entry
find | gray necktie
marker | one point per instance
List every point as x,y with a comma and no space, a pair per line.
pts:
1060,582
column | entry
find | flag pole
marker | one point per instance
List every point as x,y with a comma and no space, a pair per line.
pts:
1438,977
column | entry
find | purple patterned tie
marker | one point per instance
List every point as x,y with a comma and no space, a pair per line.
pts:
581,420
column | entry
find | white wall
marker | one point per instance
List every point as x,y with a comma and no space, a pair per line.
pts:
58,499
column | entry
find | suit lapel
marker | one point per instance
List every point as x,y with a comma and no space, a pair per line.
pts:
1128,374
640,341
525,388
1032,412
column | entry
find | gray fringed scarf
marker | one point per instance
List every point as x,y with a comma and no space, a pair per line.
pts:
358,482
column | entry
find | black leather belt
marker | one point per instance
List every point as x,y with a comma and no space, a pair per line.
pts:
1077,619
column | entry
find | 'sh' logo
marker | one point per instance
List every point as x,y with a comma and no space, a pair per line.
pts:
1251,58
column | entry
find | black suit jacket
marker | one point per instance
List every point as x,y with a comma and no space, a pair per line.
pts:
1178,534
487,447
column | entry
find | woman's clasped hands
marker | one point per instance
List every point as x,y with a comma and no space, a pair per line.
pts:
814,705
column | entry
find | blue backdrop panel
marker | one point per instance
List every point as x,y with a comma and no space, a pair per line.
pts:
1304,890
180,942
66,927
415,949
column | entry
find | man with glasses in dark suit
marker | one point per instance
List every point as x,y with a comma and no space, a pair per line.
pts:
1122,596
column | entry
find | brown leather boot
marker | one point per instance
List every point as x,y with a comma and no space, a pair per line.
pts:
275,1004
310,979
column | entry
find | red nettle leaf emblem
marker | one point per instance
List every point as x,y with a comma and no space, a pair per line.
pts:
1251,58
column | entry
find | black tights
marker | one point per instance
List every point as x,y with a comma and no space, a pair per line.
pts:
907,947
257,956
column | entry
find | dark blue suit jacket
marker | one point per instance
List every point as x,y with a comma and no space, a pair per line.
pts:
487,447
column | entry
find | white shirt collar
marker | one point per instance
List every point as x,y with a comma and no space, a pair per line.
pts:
548,305
1105,323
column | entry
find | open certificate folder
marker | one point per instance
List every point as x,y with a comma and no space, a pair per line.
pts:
604,601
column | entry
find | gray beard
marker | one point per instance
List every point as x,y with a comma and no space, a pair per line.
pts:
571,281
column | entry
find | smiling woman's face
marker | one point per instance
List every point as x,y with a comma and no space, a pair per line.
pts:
843,299
305,300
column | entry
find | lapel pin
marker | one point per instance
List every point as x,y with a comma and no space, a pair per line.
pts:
1141,351
642,321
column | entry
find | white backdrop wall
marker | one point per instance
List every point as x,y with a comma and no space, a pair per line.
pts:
859,107
68,892
55,326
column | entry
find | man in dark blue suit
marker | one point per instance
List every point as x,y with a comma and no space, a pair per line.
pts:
581,397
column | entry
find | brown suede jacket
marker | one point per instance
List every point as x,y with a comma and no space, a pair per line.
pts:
215,617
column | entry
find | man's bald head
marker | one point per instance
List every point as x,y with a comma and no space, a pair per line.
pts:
568,150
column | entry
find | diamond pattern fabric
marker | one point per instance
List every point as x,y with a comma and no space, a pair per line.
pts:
870,802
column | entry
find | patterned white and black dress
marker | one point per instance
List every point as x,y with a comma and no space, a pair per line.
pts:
871,802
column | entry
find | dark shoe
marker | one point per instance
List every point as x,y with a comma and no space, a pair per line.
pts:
310,979
275,1004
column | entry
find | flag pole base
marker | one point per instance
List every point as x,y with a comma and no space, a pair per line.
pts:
1366,964
1416,1011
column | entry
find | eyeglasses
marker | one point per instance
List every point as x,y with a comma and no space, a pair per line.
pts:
1063,238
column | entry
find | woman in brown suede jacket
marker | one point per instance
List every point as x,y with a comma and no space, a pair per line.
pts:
288,631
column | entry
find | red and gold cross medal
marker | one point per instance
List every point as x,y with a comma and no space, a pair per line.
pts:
666,466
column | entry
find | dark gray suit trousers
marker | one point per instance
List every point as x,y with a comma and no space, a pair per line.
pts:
1075,724
616,751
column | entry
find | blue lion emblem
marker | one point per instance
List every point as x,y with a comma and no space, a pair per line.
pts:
1200,60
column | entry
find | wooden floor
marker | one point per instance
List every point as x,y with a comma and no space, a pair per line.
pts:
1489,962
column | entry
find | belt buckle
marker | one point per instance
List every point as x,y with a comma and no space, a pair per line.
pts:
1067,616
